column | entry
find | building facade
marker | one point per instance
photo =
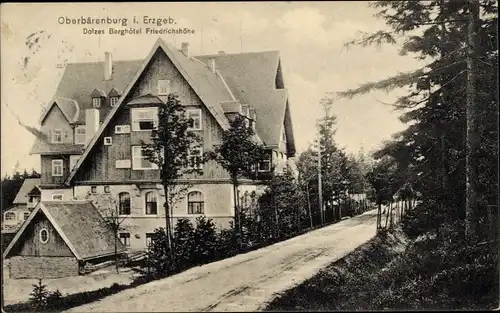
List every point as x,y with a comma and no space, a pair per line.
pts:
102,112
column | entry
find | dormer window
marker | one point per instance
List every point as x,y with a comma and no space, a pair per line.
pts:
96,103
113,101
97,98
114,95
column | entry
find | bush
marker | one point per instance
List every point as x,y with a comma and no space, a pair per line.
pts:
39,295
183,242
159,259
205,241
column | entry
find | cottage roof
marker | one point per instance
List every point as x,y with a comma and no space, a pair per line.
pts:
80,225
26,187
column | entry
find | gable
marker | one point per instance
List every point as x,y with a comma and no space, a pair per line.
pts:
207,85
29,243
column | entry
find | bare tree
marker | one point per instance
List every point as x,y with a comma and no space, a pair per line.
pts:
109,207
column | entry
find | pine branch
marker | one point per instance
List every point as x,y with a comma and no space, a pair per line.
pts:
398,81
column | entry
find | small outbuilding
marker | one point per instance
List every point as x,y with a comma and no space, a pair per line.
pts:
60,239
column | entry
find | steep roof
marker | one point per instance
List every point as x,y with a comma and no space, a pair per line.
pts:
27,186
80,225
68,107
251,78
81,79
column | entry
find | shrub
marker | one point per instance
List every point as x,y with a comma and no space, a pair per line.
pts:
159,260
39,295
183,243
205,241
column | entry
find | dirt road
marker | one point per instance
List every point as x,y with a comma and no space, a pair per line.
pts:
245,282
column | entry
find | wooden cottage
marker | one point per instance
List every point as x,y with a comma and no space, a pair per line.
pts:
59,239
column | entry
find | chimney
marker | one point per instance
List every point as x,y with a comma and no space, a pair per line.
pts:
185,49
91,124
211,64
108,65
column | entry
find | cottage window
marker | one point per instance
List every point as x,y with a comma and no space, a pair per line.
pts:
57,197
26,215
113,101
57,167
125,239
144,118
151,204
10,216
196,203
96,103
195,156
139,160
124,202
80,135
56,136
195,115
44,235
107,189
93,189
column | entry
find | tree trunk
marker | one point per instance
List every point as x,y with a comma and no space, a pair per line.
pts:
472,140
379,216
116,252
168,227
237,226
309,205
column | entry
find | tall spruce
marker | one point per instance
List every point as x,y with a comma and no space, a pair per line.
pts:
433,150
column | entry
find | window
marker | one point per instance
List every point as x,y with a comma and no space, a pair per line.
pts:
56,136
72,161
93,189
124,203
283,135
195,156
125,239
57,167
44,235
195,114
96,103
57,197
113,101
144,118
195,203
264,166
149,239
151,204
108,141
139,161
10,216
26,215
107,189
80,135
163,87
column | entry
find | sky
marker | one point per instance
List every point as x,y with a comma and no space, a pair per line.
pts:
309,35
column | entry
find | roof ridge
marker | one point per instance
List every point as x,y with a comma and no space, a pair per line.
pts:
235,53
96,62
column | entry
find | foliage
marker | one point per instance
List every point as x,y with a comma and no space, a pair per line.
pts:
238,153
169,148
159,256
205,241
183,243
39,295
